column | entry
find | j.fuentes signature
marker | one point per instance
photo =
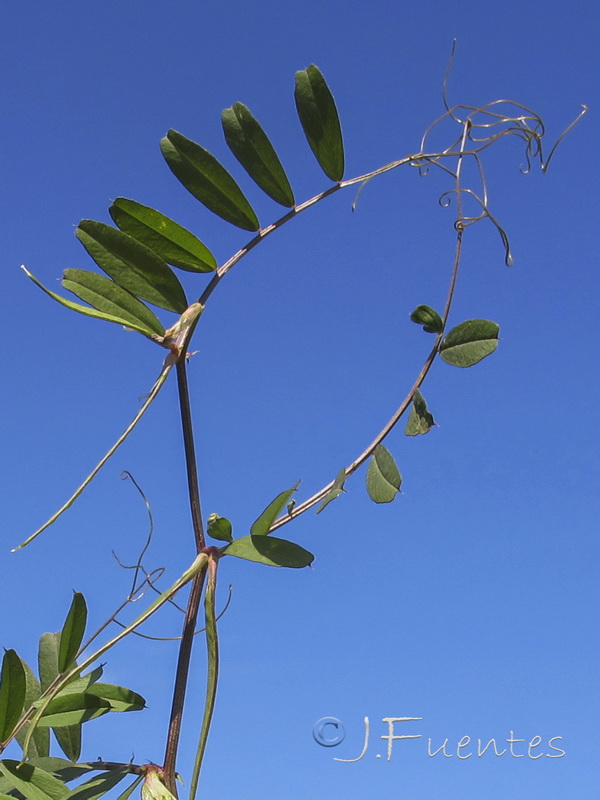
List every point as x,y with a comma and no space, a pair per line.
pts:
330,732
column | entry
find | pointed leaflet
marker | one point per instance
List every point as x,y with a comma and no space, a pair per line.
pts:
72,632
320,121
250,145
61,768
73,710
261,526
86,310
39,745
69,740
99,785
106,295
13,687
118,697
132,265
33,782
207,180
219,528
174,244
429,318
271,551
336,490
68,737
80,685
383,477
470,342
420,420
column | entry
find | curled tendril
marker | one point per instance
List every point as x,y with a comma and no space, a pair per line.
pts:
178,638
125,475
359,192
482,126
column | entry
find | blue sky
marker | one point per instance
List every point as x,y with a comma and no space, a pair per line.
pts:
471,601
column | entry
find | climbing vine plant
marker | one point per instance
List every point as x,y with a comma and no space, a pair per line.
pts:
138,257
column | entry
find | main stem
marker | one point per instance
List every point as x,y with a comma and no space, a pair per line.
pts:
191,614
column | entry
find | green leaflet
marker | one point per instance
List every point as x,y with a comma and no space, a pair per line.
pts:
68,737
132,265
219,528
85,310
72,632
250,145
420,420
69,740
39,746
33,782
61,768
336,490
429,318
98,785
79,685
271,551
73,709
13,687
174,244
261,526
383,477
207,180
119,698
469,342
105,295
319,119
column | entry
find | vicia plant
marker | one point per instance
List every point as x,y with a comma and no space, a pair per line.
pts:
138,257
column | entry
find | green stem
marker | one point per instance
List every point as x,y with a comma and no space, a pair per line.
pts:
151,397
212,646
181,677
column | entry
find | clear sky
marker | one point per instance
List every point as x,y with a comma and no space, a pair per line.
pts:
471,602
